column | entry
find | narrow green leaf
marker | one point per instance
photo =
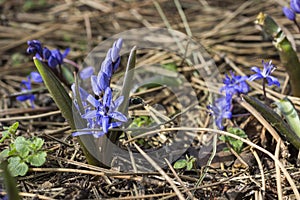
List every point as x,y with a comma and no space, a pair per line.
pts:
67,74
289,112
13,128
58,92
275,120
10,182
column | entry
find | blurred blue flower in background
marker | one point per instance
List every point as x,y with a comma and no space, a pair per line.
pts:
220,109
26,87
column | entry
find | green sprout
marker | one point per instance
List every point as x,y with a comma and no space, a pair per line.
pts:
237,145
22,152
187,163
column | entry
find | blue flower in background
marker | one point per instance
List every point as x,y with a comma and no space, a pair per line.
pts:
34,47
26,87
234,85
290,13
265,74
53,57
220,109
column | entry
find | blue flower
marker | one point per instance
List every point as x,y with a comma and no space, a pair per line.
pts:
289,13
265,74
101,112
295,5
234,85
36,77
220,109
53,57
34,47
105,114
26,87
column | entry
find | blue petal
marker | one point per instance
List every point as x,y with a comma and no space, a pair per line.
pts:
118,116
107,66
46,53
119,43
86,72
115,124
93,101
36,77
103,81
118,102
94,84
272,81
90,114
254,77
107,97
23,97
116,64
66,52
81,133
114,54
256,69
52,62
295,5
289,13
105,124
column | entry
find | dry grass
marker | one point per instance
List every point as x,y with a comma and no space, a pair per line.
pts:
225,28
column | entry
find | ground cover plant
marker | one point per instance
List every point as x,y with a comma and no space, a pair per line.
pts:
149,99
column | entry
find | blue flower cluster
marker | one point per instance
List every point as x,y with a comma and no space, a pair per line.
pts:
26,87
101,112
221,108
52,57
235,85
294,9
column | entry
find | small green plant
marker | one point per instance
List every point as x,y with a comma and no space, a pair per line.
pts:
21,151
187,163
237,145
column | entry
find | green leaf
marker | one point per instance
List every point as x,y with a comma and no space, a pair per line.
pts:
58,92
276,121
37,159
189,165
5,135
67,74
170,66
17,167
289,112
22,146
4,154
13,128
180,164
37,143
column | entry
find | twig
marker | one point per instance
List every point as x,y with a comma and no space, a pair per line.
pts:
153,163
